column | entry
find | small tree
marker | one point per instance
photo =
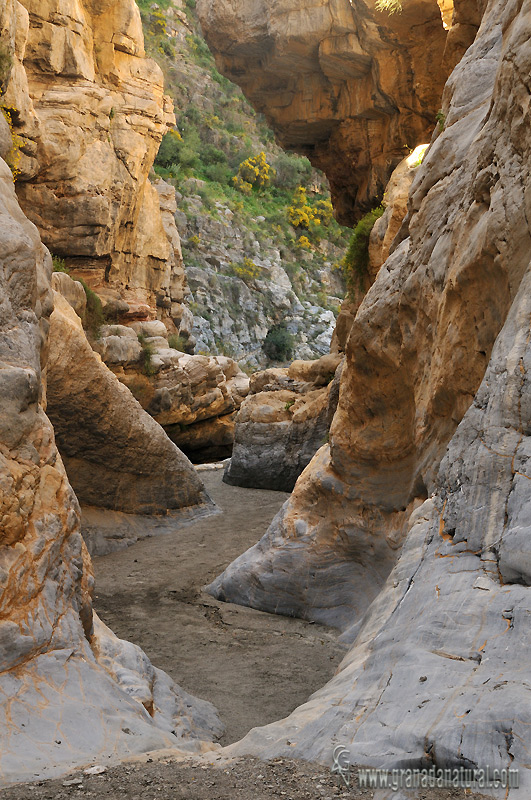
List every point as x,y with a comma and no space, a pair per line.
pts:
278,343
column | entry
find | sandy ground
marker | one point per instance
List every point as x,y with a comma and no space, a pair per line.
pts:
243,779
254,667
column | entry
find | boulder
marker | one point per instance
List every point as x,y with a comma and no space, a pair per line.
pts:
282,424
71,290
116,456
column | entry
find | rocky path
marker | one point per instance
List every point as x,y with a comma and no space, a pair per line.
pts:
254,667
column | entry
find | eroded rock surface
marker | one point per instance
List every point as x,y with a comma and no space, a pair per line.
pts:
91,112
436,671
349,86
71,692
193,397
115,454
282,424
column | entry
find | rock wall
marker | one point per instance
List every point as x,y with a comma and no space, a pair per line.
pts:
116,456
282,423
349,86
441,340
91,112
58,663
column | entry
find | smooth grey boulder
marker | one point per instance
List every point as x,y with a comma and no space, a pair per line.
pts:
438,671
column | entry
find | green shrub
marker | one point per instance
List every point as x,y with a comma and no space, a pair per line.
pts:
218,173
212,155
278,343
12,158
58,265
356,260
177,342
291,171
169,150
6,64
146,356
93,318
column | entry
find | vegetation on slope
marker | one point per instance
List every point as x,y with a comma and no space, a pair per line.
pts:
224,152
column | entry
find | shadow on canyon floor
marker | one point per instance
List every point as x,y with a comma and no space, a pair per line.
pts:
254,667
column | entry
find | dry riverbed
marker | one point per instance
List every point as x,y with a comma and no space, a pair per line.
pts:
254,667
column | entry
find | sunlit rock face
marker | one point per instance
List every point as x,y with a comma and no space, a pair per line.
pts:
71,693
351,87
428,456
115,454
91,110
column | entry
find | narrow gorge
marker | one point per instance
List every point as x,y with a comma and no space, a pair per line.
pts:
264,404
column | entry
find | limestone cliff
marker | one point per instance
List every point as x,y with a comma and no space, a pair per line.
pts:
349,86
59,664
428,446
91,112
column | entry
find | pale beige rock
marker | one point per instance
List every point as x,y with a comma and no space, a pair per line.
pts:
395,201
71,290
115,454
57,663
319,372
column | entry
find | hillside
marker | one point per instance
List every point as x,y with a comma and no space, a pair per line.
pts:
255,255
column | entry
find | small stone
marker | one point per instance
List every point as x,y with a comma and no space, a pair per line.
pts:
95,770
73,782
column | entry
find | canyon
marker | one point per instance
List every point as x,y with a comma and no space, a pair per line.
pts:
405,448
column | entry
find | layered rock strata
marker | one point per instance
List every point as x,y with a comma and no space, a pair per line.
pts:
349,86
441,340
282,424
193,397
90,110
72,693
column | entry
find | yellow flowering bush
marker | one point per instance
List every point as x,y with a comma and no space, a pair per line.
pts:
253,172
246,271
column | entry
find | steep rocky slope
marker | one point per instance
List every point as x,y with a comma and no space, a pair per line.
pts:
440,341
59,663
245,264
